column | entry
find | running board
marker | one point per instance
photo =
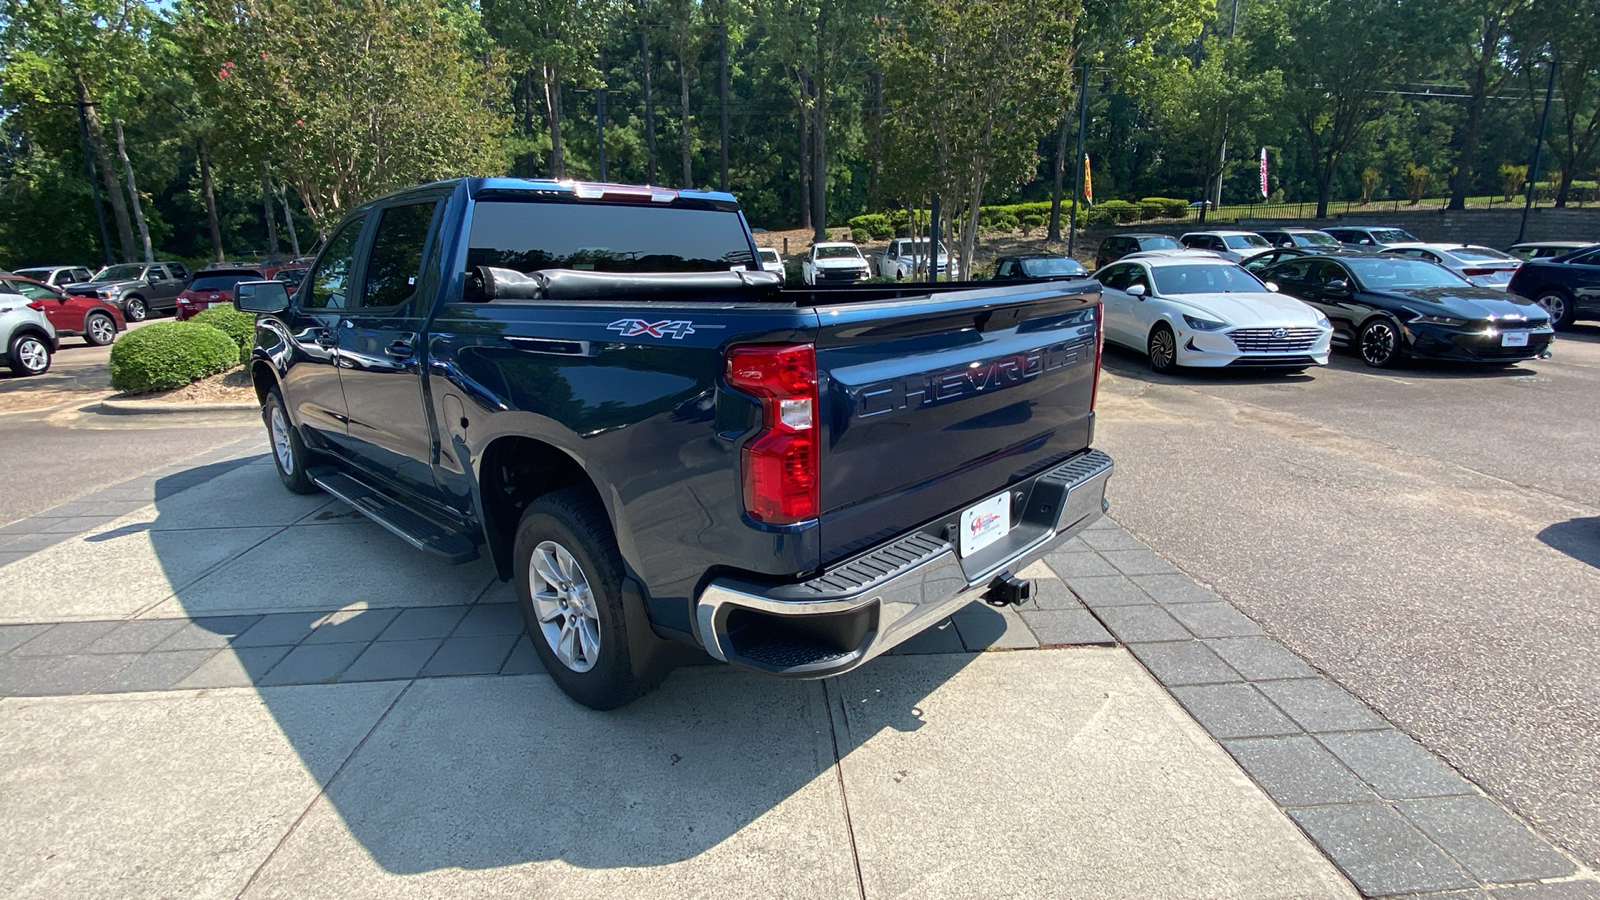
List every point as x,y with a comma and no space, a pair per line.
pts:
404,522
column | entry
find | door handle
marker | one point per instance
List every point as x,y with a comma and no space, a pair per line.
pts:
326,339
400,350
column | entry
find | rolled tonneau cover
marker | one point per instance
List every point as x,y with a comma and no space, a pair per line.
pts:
487,283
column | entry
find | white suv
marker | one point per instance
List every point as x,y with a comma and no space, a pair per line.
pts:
27,340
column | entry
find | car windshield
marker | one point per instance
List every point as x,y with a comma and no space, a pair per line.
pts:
290,276
1204,279
1157,243
35,274
1315,239
222,282
119,273
838,253
606,237
1393,236
1477,254
1052,265
1381,273
1243,241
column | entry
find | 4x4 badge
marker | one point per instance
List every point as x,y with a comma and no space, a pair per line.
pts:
634,327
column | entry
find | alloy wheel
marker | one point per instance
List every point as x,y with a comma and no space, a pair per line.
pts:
33,355
564,604
135,310
1556,306
1378,344
1163,350
282,447
101,330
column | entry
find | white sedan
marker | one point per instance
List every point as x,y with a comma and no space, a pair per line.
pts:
837,262
1184,309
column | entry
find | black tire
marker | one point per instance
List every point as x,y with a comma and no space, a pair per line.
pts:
99,329
289,454
1560,306
1162,347
30,354
1380,344
134,309
572,520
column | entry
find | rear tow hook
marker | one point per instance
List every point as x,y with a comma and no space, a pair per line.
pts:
1009,590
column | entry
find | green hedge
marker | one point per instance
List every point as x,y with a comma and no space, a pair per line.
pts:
241,326
169,355
1165,207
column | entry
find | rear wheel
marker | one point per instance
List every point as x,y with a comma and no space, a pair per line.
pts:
1560,308
99,330
1380,344
1163,349
288,451
569,583
134,308
30,355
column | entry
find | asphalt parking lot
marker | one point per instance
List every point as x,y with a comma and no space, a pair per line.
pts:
1428,536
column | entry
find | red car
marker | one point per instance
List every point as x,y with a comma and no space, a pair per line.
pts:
91,318
212,287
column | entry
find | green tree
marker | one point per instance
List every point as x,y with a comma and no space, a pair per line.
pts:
1567,31
1215,103
1480,56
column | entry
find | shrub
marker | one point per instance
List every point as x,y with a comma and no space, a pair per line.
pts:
1169,208
1000,220
1096,217
1030,221
1418,178
1121,211
169,355
871,227
241,326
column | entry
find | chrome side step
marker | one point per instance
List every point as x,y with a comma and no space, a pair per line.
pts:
402,521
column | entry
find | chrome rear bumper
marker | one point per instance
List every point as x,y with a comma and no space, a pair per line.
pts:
866,605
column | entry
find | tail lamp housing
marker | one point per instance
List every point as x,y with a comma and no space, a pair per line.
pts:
1099,350
780,463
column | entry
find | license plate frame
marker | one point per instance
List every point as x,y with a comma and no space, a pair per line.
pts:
983,523
1513,339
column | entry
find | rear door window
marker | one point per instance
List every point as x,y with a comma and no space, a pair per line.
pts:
395,262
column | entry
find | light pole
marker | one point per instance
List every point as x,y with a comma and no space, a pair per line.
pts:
1077,178
1538,149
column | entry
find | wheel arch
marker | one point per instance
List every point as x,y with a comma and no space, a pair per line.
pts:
35,330
515,470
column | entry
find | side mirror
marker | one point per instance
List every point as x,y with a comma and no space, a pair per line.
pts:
1136,290
261,296
1338,286
1273,286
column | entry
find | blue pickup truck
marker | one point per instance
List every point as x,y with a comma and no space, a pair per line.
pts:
598,387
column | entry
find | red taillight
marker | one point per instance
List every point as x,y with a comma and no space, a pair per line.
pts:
1479,271
781,462
1099,349
36,304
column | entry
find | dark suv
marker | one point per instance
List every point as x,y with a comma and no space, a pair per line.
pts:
1119,245
1568,287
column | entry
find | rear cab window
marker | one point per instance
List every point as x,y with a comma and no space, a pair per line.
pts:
606,237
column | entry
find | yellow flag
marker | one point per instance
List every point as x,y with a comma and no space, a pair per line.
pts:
1088,182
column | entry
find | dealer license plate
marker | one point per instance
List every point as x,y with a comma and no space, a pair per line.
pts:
985,523
1514,339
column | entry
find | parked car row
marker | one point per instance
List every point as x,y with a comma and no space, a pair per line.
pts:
34,316
1562,277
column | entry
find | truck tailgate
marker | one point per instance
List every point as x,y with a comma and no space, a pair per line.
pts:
932,404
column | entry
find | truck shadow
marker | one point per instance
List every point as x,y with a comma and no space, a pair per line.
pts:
1577,538
486,771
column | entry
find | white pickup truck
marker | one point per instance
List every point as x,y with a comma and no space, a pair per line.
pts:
902,258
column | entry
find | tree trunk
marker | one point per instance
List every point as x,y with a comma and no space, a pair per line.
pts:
805,157
1461,181
551,78
282,190
683,117
969,234
208,191
1324,176
1059,171
266,211
1564,186
108,175
819,134
649,98
133,193
724,90
875,167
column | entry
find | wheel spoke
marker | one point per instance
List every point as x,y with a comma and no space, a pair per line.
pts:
544,563
564,606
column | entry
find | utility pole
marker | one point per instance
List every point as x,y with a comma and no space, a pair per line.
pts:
1077,179
600,125
1538,150
94,183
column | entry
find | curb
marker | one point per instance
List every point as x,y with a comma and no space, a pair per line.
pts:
161,407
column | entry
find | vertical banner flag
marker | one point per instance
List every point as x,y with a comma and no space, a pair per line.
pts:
1263,173
1088,182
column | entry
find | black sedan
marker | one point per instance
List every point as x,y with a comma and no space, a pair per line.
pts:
1568,287
1037,266
1388,308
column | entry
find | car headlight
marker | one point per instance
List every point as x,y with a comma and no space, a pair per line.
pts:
107,293
1322,321
1204,324
1438,320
